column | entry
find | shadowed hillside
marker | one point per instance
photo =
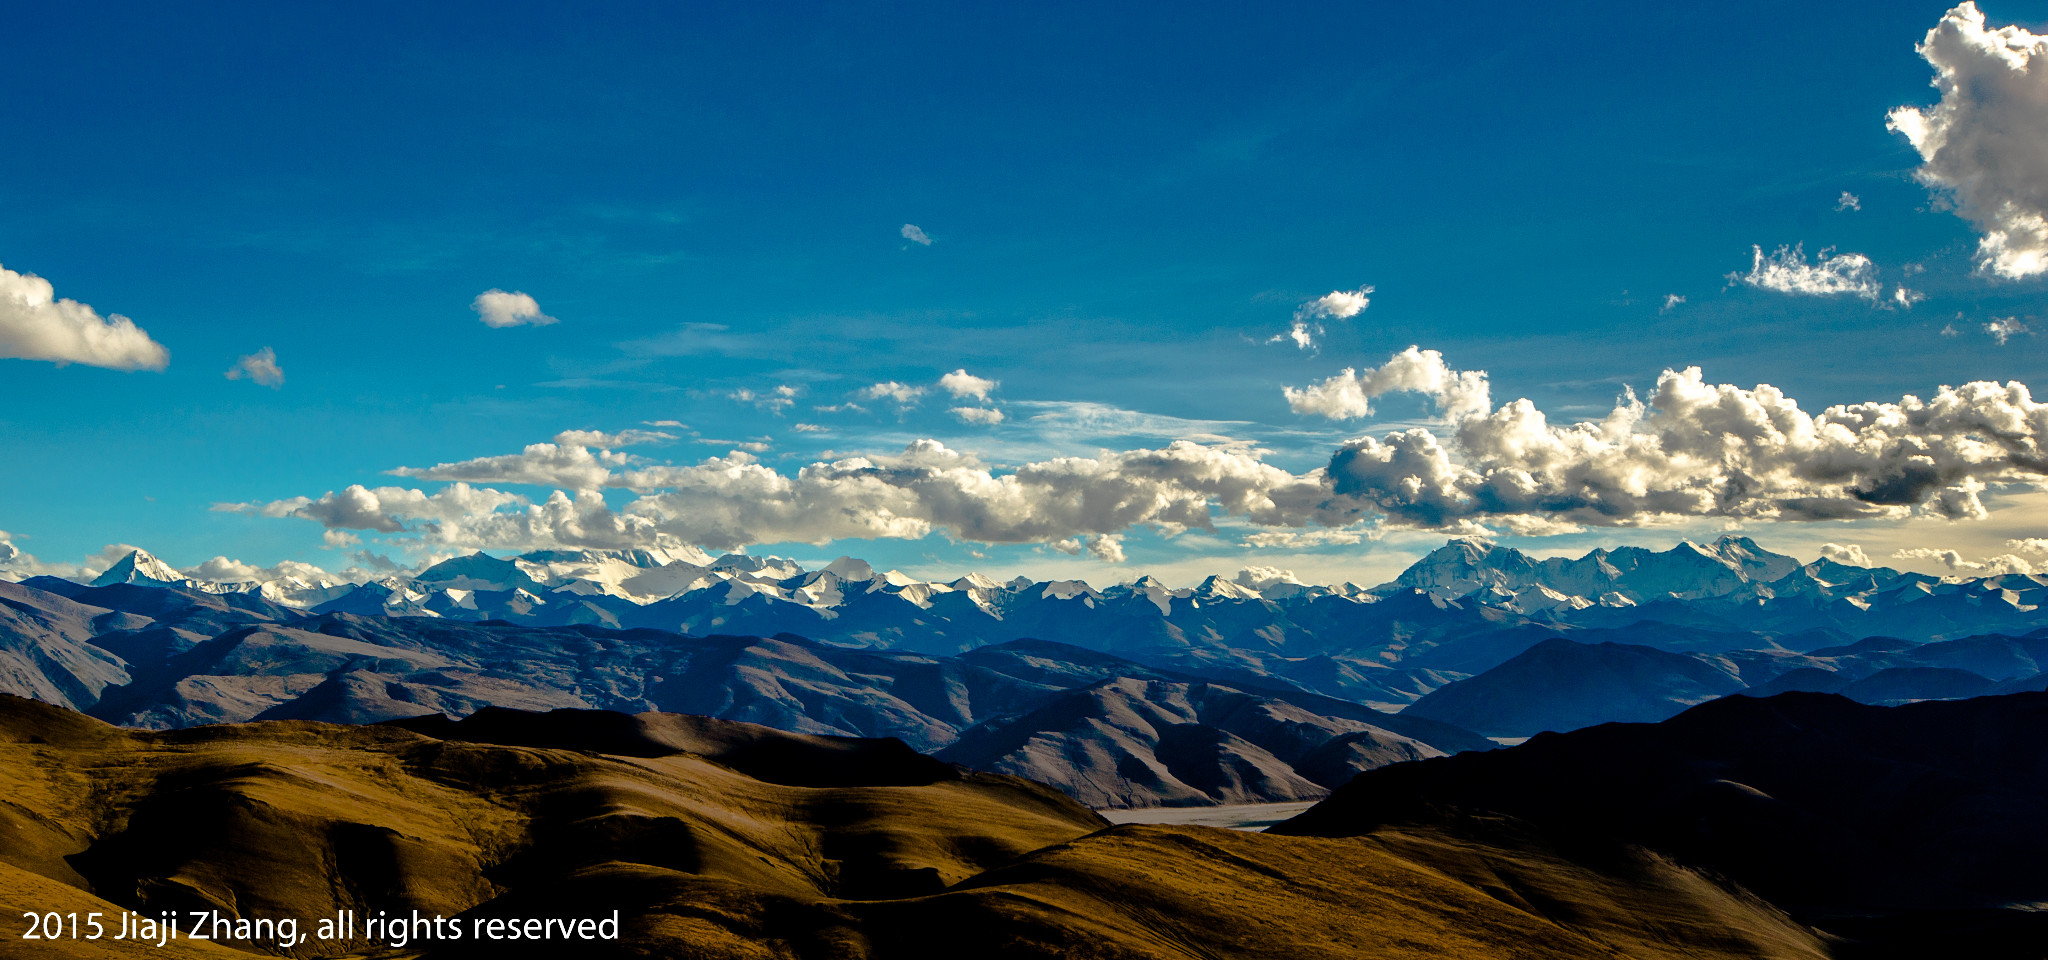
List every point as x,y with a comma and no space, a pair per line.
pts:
1915,827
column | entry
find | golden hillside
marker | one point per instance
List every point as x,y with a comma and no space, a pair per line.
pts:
723,840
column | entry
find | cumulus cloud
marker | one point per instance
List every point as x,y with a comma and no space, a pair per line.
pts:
774,401
1700,449
224,570
1335,305
35,325
915,234
1954,561
562,464
623,438
470,518
1349,395
963,385
1302,333
1106,548
1259,578
384,509
1906,298
1848,201
19,564
902,393
259,367
1671,302
2006,328
985,416
1847,553
1986,143
496,308
1831,274
1689,449
731,501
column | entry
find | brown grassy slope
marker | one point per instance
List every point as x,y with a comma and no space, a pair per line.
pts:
303,819
1192,893
707,861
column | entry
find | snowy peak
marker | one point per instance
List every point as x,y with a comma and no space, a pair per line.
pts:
1506,577
139,567
478,571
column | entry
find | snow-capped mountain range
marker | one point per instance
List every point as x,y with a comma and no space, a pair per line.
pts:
1731,583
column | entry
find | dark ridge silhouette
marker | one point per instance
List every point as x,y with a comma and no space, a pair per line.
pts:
1897,824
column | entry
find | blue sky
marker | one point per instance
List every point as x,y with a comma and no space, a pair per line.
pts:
1124,206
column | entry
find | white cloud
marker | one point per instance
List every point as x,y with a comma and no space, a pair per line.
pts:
338,539
1108,549
1298,539
671,424
808,428
1348,395
1832,274
496,308
2037,545
384,509
726,502
915,234
1335,305
1848,553
259,367
1907,298
1671,302
962,385
1259,578
902,393
1976,568
982,415
623,438
1949,330
1848,201
35,325
741,447
774,401
1302,333
1690,449
565,464
470,518
1986,142
224,570
1707,450
2006,328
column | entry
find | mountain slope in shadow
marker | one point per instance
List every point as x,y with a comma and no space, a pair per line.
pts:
1919,827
